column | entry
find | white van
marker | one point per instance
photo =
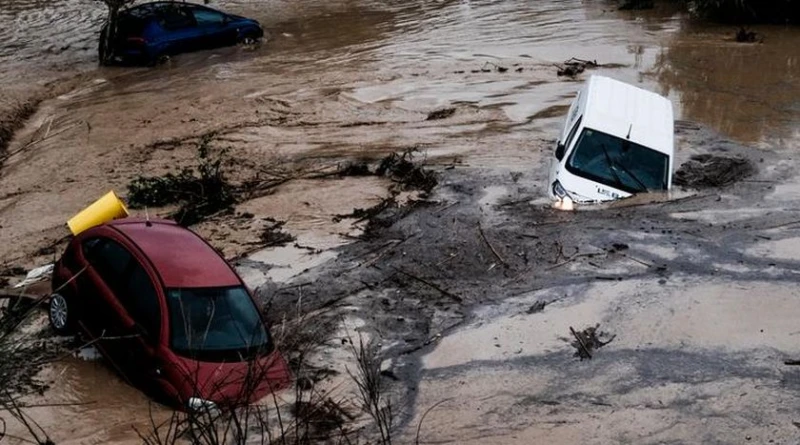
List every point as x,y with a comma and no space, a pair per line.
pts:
618,140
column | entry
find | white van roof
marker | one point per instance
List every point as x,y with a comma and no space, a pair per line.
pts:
618,108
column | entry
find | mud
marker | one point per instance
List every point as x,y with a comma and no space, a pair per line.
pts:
451,312
713,171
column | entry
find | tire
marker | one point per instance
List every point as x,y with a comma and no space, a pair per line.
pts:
248,38
63,313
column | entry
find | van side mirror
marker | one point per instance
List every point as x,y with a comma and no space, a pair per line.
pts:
560,149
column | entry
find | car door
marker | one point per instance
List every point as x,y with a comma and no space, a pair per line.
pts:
102,315
118,279
141,297
181,33
215,28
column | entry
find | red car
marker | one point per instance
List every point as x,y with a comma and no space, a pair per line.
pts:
168,312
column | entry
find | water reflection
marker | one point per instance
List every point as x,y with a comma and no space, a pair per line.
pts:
750,92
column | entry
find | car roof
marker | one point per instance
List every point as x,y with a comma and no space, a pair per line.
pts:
150,9
620,109
181,258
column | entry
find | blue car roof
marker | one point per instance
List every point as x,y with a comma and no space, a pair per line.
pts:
147,10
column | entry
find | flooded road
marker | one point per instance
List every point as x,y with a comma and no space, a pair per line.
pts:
418,51
338,80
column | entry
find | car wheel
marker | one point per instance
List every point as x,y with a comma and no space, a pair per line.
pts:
62,313
248,39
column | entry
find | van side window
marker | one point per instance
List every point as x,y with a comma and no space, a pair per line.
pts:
572,132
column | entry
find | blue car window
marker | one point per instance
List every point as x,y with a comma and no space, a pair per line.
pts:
205,17
174,18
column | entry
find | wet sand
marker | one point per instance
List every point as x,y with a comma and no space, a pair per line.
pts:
338,81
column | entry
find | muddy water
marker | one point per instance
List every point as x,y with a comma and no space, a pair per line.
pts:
406,56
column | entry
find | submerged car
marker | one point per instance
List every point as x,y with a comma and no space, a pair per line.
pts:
618,140
147,32
168,312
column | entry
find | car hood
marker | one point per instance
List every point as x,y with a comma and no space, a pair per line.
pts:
231,383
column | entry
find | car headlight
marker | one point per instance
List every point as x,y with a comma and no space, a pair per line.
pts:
559,190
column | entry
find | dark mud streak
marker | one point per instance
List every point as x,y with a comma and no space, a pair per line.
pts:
411,316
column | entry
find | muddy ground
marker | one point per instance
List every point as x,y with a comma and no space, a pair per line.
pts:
472,296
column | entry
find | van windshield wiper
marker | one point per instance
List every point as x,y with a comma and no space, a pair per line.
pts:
613,167
635,178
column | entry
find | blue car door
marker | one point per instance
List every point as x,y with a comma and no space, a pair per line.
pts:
181,32
215,27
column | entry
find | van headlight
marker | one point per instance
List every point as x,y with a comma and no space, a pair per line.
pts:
559,191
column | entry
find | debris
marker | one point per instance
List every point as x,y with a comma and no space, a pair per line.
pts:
494,252
629,5
708,170
574,66
455,297
536,307
402,170
200,193
35,275
745,36
618,247
274,236
441,114
358,168
792,362
588,340
12,271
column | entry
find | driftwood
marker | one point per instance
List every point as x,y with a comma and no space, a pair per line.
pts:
486,240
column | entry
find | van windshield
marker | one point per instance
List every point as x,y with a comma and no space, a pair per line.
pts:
215,324
618,163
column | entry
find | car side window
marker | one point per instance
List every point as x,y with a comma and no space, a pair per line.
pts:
207,17
128,280
572,132
110,259
174,18
140,299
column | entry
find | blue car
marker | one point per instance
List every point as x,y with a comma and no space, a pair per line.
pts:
148,32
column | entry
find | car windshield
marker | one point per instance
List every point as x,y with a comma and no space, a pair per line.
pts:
215,323
618,163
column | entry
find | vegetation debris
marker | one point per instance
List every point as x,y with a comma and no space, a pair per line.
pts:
629,5
745,36
410,175
274,235
589,340
708,170
536,307
357,168
199,192
441,114
574,66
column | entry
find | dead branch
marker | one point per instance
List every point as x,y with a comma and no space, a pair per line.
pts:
419,426
581,342
455,297
486,240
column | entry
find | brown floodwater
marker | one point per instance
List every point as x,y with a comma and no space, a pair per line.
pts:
410,55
